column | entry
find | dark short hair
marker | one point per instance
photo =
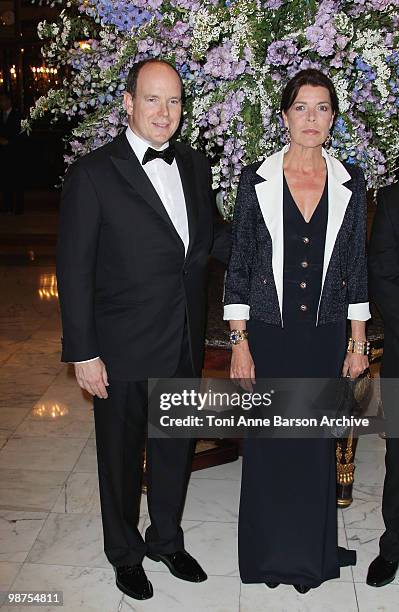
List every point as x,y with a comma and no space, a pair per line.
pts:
133,75
313,77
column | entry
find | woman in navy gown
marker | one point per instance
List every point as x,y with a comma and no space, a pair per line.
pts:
297,272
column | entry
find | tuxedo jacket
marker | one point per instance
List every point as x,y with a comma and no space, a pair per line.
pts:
384,273
254,282
126,286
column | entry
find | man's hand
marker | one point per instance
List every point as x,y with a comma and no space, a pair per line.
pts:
3,141
92,377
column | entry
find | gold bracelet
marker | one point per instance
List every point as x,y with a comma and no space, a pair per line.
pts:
358,347
238,335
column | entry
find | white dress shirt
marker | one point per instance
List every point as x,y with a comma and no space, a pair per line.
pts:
167,183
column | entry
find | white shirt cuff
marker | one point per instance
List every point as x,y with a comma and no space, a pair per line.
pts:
86,361
359,312
236,312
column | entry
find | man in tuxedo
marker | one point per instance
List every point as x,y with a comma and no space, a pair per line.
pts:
10,162
137,225
384,288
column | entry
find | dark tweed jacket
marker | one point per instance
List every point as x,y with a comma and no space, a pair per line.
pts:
255,273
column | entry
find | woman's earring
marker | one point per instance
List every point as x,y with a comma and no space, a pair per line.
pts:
287,135
327,143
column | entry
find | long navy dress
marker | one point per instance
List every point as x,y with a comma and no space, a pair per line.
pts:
288,517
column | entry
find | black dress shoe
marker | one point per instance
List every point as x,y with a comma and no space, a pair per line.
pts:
301,588
381,572
272,585
132,580
182,565
346,557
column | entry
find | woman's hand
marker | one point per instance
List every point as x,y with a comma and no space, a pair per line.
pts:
354,365
242,365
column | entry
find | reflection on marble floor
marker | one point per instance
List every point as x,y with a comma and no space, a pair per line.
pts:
50,522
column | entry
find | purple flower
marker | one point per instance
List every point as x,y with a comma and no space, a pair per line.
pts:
220,63
114,118
124,14
314,34
281,52
143,45
113,131
189,5
341,41
325,47
307,63
322,34
273,4
337,61
389,39
180,28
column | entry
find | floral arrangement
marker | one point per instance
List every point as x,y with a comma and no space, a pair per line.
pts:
235,57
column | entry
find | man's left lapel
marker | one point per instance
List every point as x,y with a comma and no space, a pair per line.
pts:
129,167
187,175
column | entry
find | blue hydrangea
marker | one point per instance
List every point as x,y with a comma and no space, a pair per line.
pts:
124,14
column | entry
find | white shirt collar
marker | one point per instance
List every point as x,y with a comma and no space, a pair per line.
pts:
139,145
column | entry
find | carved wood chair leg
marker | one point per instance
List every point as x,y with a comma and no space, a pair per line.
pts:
345,454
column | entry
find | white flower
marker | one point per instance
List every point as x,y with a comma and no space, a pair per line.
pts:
370,45
341,87
206,28
344,25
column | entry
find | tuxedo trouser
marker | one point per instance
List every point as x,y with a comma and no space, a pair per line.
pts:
121,424
389,542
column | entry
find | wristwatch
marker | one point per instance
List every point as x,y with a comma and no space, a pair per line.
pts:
238,335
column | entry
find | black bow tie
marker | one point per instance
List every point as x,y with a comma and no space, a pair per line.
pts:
167,155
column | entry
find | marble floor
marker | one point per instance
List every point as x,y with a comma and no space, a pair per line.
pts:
50,523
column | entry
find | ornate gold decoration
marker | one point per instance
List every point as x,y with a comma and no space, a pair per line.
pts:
345,473
345,470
